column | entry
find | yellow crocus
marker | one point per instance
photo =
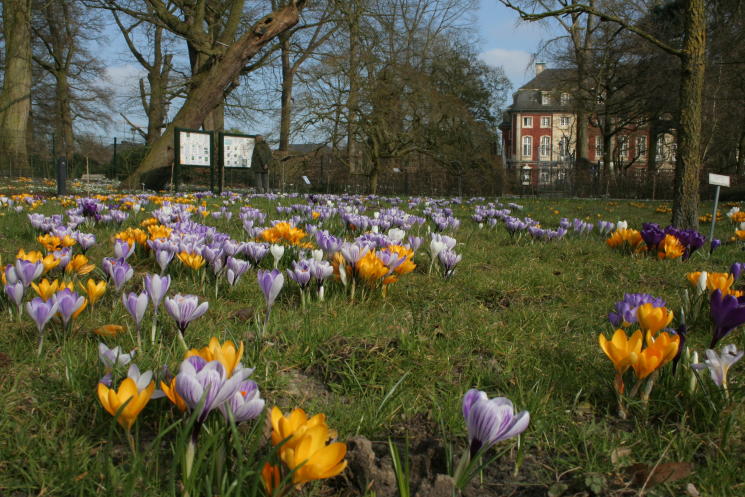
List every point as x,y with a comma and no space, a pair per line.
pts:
312,458
68,241
94,290
194,261
670,248
113,400
406,266
658,352
370,268
45,289
292,426
719,281
620,348
225,353
79,265
170,391
271,477
622,237
653,319
50,242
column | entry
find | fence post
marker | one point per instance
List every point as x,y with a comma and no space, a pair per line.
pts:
61,176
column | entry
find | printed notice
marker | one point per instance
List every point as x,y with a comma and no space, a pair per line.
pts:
194,149
237,150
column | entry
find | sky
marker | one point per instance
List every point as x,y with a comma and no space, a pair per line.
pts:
504,41
508,42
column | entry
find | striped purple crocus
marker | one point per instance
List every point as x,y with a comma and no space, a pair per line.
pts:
491,420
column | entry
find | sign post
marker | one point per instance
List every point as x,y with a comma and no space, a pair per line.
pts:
61,176
719,181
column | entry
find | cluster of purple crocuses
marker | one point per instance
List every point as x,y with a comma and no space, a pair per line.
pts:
653,235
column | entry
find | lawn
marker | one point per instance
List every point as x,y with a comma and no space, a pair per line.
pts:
517,318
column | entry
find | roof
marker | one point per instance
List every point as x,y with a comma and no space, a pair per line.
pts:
556,81
551,79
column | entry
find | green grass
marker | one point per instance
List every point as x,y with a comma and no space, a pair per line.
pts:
518,319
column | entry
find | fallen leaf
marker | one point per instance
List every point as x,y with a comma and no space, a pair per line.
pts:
619,453
665,472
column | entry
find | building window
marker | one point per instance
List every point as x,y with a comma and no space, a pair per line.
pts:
545,98
564,99
527,146
641,146
564,148
545,122
623,147
564,121
545,146
527,122
598,147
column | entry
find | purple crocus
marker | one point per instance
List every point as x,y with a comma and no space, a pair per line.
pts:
27,271
625,313
727,312
184,309
156,287
491,420
163,257
270,282
136,305
448,260
205,385
122,249
236,269
118,270
255,252
85,240
300,273
41,312
736,269
68,303
246,403
15,293
714,244
113,357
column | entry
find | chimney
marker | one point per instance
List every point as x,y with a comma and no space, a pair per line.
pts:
539,67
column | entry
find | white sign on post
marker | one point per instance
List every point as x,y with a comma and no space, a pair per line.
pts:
718,180
307,181
194,149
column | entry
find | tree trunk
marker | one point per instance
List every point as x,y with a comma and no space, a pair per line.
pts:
15,100
741,153
654,142
209,92
353,155
287,81
688,163
63,127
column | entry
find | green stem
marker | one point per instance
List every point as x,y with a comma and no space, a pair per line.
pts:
153,326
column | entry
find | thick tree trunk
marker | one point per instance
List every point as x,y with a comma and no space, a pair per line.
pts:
688,163
209,92
287,81
15,100
741,154
63,127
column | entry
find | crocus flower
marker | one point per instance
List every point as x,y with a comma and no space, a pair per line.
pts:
236,269
194,261
736,270
113,400
652,318
93,290
246,403
659,351
715,244
113,357
314,458
85,240
169,390
448,260
79,265
41,312
184,309
277,252
123,249
727,312
156,287
620,348
69,304
136,305
289,428
206,383
163,257
15,293
45,288
271,283
491,420
119,272
225,353
109,330
719,364
28,271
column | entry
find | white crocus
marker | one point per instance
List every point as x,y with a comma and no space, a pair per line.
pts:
277,252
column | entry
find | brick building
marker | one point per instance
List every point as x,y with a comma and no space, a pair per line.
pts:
539,134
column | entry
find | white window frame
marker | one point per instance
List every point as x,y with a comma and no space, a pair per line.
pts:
564,121
564,147
622,142
527,121
545,98
599,146
641,146
545,148
527,146
546,122
564,99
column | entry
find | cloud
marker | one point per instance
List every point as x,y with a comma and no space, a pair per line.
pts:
124,79
516,64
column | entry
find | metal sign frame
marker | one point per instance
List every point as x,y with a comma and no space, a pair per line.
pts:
221,157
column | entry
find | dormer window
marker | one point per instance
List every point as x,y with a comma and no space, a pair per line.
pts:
545,98
564,99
